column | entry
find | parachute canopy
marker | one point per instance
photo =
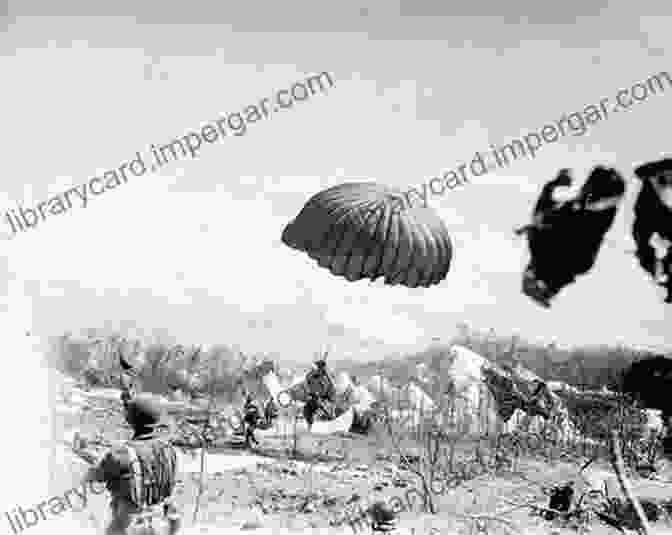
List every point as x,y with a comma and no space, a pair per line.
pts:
565,237
365,230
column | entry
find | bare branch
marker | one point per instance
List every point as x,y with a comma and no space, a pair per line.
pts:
626,487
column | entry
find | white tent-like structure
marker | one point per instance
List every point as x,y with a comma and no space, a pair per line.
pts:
425,375
473,408
357,395
343,382
418,398
285,376
272,383
380,387
409,404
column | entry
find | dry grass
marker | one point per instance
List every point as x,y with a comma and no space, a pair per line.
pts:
478,471
158,368
333,474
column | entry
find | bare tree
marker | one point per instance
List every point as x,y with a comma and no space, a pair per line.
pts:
626,487
423,466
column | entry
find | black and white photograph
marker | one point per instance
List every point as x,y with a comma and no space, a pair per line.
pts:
336,268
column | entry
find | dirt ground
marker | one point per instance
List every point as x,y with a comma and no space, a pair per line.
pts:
265,491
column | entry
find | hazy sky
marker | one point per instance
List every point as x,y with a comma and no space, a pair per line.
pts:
194,249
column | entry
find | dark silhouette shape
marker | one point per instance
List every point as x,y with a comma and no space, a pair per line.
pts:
140,474
126,381
546,206
561,500
125,365
252,417
311,408
649,381
321,392
621,514
142,414
513,390
126,396
383,518
271,411
362,422
319,381
653,215
564,238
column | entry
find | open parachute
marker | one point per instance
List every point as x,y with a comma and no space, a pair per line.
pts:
365,230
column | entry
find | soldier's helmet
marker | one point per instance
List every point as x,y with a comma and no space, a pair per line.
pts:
142,414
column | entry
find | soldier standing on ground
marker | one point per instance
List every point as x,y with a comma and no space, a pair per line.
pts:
140,475
252,415
321,389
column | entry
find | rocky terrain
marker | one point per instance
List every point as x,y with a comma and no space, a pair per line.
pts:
316,483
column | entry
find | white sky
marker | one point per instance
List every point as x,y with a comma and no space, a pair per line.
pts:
195,250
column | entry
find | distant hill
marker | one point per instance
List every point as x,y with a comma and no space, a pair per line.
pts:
165,366
584,367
